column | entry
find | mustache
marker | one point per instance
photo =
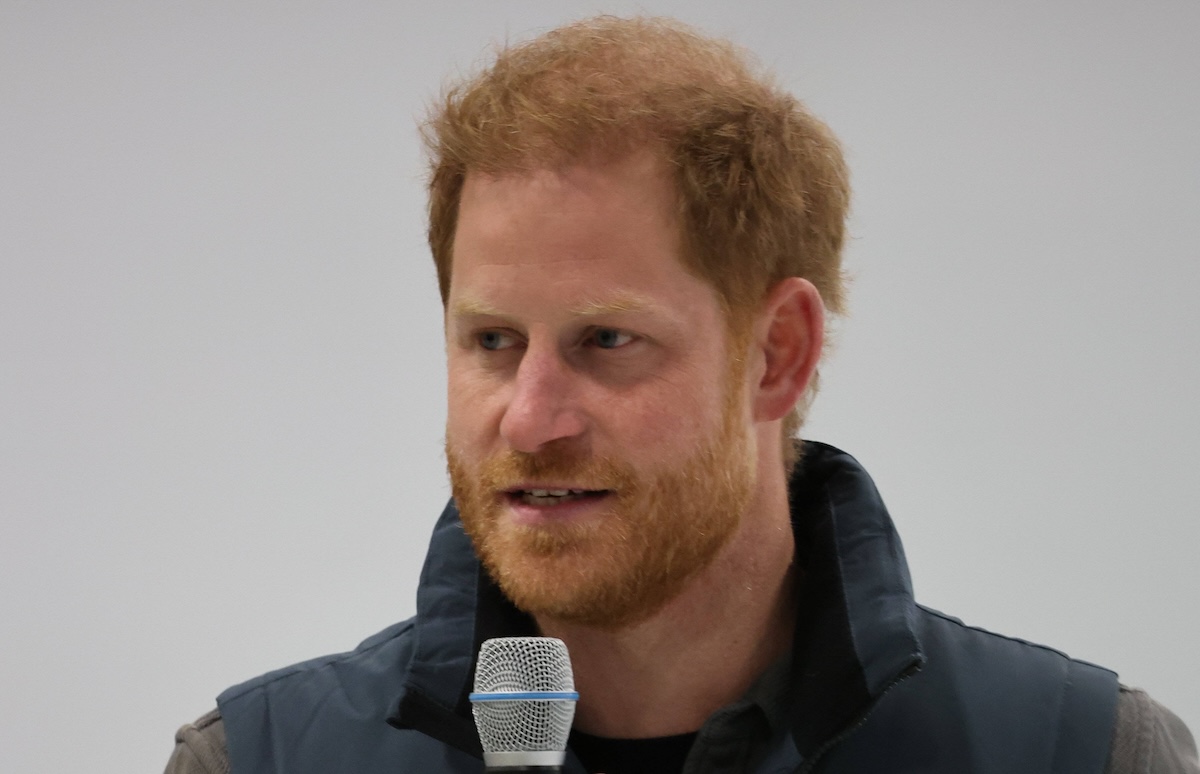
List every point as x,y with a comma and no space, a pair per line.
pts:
509,469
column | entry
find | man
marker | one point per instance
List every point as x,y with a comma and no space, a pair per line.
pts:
636,239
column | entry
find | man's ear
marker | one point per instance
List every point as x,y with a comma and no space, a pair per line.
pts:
788,334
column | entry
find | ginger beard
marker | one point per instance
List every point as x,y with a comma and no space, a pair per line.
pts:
622,566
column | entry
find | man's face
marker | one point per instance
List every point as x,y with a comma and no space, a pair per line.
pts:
598,438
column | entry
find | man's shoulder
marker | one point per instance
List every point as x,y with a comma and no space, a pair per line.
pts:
973,679
974,691
365,682
380,652
992,674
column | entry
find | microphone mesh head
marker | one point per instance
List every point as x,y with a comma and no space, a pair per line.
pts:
515,665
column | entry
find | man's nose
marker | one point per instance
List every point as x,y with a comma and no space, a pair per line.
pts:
543,405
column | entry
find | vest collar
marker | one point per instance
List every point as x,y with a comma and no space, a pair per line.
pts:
855,623
855,634
458,607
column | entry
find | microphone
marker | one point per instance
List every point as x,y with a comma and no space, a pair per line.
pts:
524,702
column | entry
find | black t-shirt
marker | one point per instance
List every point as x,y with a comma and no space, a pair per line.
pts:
659,755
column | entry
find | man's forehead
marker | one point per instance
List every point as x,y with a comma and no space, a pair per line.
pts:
638,165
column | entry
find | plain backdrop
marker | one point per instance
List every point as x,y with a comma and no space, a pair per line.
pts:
221,369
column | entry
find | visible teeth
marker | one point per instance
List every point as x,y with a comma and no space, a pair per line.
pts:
550,496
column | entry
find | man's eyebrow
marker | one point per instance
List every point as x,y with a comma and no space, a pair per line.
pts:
474,307
620,303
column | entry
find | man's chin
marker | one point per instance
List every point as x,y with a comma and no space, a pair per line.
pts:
563,606
579,588
559,584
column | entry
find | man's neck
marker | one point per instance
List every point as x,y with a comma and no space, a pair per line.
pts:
703,650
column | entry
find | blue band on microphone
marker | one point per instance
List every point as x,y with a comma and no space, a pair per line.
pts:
526,696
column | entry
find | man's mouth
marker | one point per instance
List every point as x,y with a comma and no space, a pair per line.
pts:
552,496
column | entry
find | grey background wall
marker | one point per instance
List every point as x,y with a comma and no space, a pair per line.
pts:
221,387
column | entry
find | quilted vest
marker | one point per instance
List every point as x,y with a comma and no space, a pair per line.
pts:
879,683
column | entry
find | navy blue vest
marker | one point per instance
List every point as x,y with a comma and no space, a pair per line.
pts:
880,684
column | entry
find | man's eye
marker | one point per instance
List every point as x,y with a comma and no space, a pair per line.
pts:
608,338
494,340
